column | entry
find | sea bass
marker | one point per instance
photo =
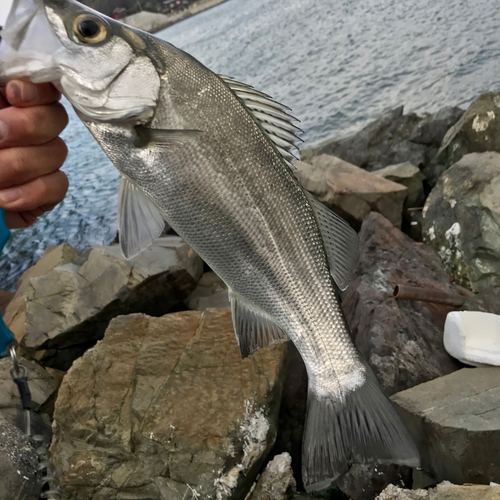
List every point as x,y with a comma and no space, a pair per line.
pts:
213,158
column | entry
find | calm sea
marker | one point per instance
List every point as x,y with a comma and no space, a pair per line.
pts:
337,64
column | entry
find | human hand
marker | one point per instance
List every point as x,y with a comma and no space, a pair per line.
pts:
31,153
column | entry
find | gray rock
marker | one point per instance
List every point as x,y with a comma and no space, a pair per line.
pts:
351,191
42,387
461,221
485,301
432,129
401,339
161,403
455,421
365,482
277,481
477,131
18,465
69,308
381,143
410,176
396,493
210,292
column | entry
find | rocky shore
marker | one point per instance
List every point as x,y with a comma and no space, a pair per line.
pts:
136,375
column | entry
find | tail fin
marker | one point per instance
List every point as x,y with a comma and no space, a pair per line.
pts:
364,428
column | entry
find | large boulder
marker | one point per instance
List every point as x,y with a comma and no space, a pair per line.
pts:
402,340
163,405
210,292
461,220
485,301
477,131
15,313
69,308
351,191
18,465
455,421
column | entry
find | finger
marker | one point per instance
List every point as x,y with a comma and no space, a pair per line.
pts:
23,94
3,100
21,165
31,126
40,192
17,220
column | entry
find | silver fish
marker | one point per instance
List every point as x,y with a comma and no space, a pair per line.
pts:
213,157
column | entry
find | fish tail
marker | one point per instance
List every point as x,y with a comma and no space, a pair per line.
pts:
361,427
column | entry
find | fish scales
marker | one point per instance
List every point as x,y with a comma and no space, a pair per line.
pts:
254,227
195,151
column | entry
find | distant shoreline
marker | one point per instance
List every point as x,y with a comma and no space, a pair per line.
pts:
154,22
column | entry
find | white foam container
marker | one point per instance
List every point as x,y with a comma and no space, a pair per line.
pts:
473,337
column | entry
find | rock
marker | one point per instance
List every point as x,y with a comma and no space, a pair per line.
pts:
15,313
373,480
352,192
210,292
148,21
277,481
484,301
5,298
18,465
432,129
476,132
443,491
42,387
401,339
69,308
161,403
455,421
473,337
461,221
410,176
381,143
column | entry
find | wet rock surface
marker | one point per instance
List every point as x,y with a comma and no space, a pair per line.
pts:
477,131
162,403
455,421
69,308
461,220
350,191
18,465
277,481
401,339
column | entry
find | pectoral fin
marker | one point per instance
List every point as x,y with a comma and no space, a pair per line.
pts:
162,138
139,221
252,329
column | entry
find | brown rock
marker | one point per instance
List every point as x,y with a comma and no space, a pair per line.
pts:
351,191
15,313
443,491
5,298
161,403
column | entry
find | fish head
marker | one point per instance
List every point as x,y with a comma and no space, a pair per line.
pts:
99,64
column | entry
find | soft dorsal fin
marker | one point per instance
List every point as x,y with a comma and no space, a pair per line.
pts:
272,116
139,221
341,242
252,329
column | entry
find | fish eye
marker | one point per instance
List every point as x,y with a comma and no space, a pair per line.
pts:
89,29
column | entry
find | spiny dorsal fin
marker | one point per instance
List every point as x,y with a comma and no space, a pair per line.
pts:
341,242
272,116
251,328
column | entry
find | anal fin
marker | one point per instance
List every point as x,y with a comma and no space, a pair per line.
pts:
252,329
